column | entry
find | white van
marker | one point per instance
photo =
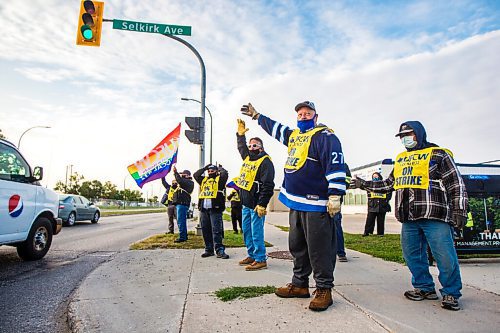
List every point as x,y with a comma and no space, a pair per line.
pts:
28,211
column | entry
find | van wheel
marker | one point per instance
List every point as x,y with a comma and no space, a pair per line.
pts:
38,242
95,219
71,219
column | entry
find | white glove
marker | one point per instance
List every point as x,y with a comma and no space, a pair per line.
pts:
333,205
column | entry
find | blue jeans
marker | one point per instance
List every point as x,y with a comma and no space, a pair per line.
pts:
181,221
415,235
253,234
212,230
340,234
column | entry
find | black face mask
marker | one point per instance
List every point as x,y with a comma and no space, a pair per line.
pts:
254,153
212,175
174,185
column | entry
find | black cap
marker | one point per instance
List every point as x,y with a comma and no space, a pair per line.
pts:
186,172
403,129
212,167
306,104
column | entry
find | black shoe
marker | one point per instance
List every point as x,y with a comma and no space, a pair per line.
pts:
450,303
364,235
207,254
342,258
419,295
170,232
222,255
178,240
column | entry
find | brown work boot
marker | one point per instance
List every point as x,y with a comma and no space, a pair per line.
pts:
322,299
246,261
256,265
290,291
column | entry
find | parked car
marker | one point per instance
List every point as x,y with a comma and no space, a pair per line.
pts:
28,211
73,208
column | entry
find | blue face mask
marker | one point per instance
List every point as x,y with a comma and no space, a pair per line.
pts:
408,141
305,125
376,179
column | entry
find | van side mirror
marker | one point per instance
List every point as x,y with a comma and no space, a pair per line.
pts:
37,173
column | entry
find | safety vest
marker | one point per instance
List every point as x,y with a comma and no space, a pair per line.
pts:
298,147
235,197
470,221
248,172
209,187
171,192
411,168
373,195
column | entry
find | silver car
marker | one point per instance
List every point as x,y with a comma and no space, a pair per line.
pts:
73,208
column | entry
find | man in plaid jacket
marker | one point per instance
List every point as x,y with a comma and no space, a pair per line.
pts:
430,200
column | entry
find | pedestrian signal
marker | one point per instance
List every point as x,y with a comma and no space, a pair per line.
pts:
90,23
195,135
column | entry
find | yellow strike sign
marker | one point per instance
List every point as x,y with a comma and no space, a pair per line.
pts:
411,168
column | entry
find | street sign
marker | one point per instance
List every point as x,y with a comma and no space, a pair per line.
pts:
166,29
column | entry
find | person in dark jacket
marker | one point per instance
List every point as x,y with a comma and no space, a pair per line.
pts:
169,197
337,218
182,199
378,206
236,216
256,183
212,202
430,200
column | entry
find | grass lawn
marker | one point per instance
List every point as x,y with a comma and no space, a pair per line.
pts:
231,293
166,241
132,212
387,247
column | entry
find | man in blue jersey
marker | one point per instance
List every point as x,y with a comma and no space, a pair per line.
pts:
312,188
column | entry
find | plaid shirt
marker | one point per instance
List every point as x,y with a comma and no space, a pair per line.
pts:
446,193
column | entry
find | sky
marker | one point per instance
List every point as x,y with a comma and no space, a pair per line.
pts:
367,65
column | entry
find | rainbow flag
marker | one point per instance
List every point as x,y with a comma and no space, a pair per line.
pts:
158,162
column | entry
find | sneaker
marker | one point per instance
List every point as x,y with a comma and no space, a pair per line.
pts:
291,291
450,303
178,240
256,266
322,299
222,255
342,259
419,295
246,261
207,254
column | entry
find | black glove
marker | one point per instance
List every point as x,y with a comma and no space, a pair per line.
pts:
458,219
356,182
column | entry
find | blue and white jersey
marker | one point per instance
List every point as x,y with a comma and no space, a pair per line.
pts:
323,174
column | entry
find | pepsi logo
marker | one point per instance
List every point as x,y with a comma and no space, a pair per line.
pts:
15,205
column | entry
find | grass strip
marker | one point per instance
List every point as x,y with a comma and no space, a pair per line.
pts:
166,241
232,293
283,228
132,212
387,247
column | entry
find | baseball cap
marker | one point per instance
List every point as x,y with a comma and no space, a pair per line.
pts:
306,104
403,129
212,167
186,172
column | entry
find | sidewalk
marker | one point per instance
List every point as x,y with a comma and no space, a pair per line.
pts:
172,291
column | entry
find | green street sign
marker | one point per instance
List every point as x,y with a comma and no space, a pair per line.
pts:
154,28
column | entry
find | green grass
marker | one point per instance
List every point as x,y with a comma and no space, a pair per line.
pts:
387,247
132,212
166,241
285,229
231,293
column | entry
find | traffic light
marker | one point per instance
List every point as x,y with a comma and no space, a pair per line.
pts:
195,135
89,23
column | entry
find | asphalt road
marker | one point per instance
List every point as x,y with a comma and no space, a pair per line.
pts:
34,295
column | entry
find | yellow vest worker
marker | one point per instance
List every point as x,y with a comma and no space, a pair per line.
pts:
248,172
298,147
209,187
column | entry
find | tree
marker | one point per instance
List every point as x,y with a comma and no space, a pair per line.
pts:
73,187
109,190
92,189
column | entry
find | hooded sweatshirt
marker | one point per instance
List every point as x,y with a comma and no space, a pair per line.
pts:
445,195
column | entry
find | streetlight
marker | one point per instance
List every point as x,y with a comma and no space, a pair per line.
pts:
19,143
211,122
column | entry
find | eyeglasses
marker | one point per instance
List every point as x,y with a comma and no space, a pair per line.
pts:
254,145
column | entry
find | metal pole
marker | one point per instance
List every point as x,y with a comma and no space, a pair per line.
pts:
203,92
19,142
211,122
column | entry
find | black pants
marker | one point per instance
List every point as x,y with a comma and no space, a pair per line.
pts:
236,218
370,223
313,244
172,214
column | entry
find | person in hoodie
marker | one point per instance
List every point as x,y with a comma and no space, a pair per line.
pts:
313,186
181,199
430,200
378,206
212,202
256,183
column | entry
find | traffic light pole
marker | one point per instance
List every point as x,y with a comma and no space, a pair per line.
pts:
203,91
